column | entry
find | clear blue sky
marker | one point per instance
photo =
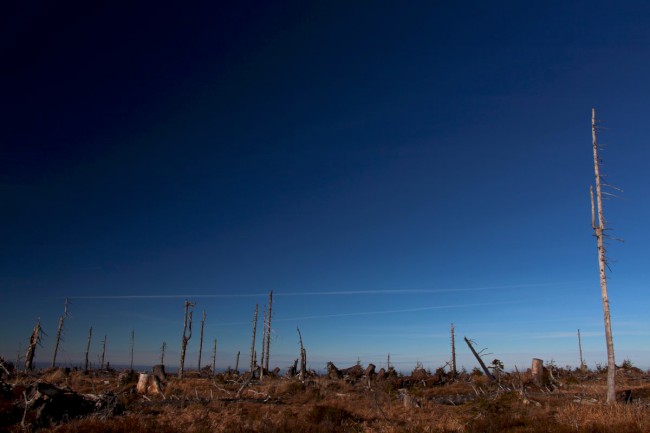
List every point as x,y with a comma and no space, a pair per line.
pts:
386,168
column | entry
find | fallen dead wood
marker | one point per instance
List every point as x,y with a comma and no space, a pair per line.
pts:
45,404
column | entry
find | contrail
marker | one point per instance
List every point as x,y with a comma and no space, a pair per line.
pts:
370,313
325,293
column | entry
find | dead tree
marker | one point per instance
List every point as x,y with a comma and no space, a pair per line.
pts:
132,346
598,225
101,362
187,334
59,330
252,363
201,339
264,329
34,340
214,357
453,351
480,360
268,331
303,357
582,362
90,336
237,362
163,348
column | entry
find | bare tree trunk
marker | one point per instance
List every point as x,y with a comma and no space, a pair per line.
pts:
237,362
101,362
303,357
90,336
388,362
268,331
480,360
214,357
537,371
453,351
163,348
582,362
187,326
252,366
598,225
201,339
132,346
59,331
34,340
261,366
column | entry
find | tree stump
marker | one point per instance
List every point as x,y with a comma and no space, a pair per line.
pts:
538,371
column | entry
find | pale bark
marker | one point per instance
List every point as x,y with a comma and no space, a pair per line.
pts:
599,230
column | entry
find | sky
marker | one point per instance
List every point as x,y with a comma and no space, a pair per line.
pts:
385,168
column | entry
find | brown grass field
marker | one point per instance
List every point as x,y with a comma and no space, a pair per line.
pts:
421,402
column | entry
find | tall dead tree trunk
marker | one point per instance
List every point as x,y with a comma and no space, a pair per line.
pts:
34,340
268,331
598,224
303,357
252,363
201,339
480,361
237,362
187,334
163,348
132,346
101,360
582,362
264,329
90,336
214,357
453,351
59,330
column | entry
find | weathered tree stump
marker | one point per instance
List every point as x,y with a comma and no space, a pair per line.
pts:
537,371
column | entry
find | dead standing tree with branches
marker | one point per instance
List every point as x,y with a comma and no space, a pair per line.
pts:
598,225
187,334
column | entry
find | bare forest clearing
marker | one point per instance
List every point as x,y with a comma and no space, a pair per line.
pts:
356,399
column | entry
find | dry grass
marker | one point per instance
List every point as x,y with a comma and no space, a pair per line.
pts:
468,405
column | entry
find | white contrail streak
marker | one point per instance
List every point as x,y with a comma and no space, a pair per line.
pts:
325,293
370,313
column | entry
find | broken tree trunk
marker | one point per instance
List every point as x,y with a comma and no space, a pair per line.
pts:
237,362
132,346
90,336
453,351
59,331
34,340
101,362
303,357
214,358
537,371
480,361
252,362
268,331
201,340
187,326
582,362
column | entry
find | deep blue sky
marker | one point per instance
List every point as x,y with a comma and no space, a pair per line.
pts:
385,168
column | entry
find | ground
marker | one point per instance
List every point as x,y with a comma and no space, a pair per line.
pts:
565,401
